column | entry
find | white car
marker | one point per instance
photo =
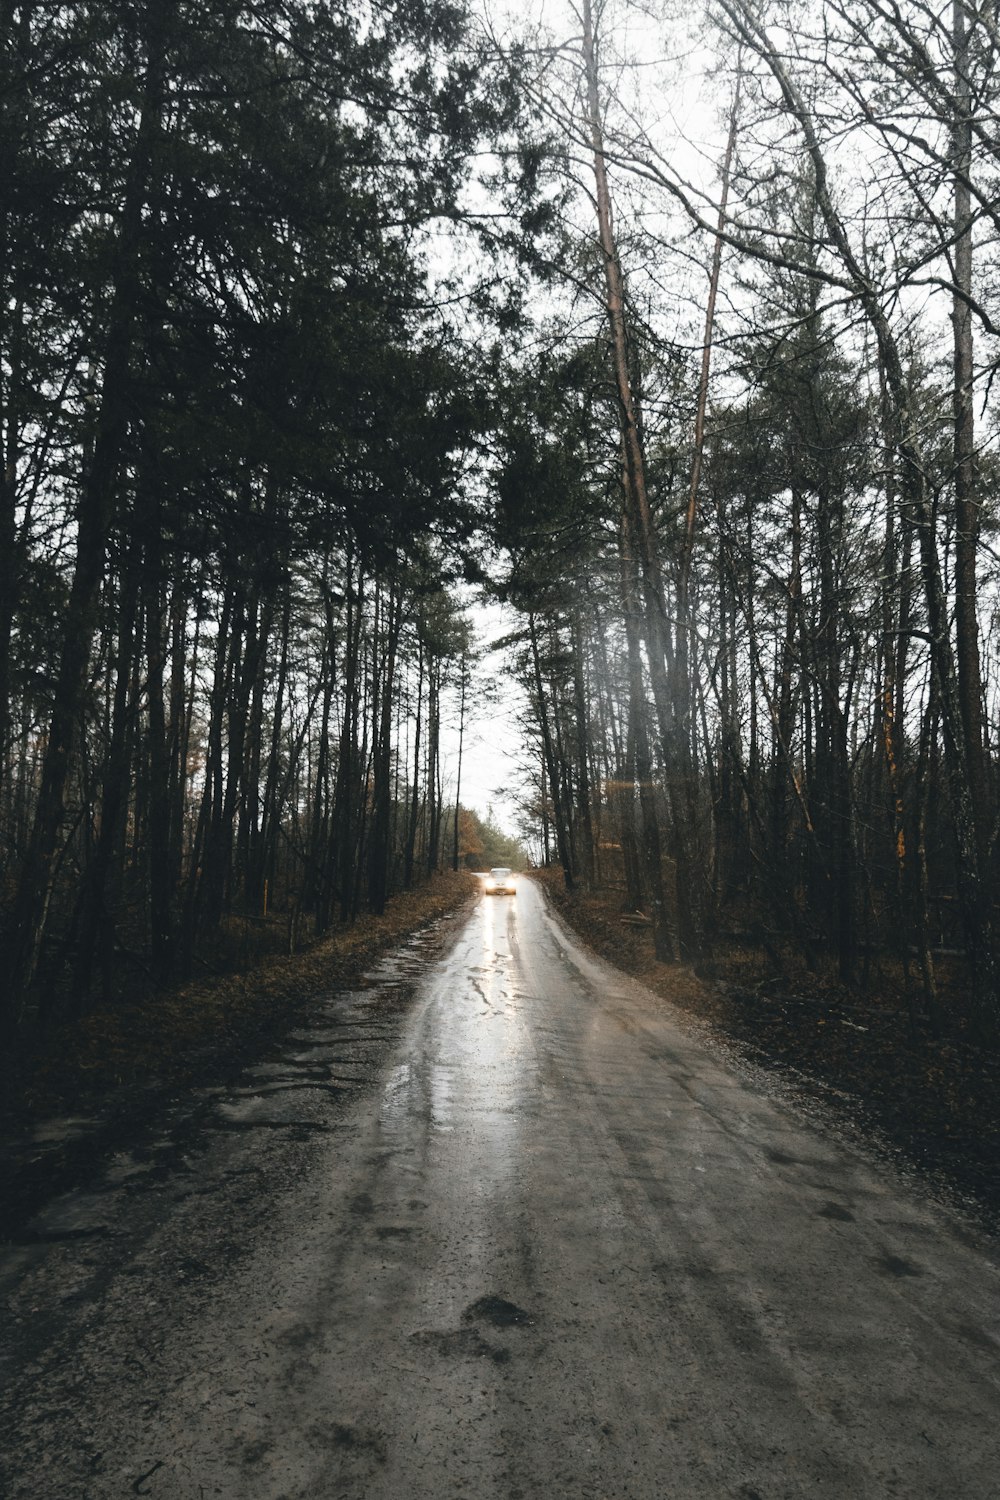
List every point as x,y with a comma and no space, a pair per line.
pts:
500,882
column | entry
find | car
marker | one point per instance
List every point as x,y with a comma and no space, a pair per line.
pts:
500,882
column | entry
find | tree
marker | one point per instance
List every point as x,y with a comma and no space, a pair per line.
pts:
228,433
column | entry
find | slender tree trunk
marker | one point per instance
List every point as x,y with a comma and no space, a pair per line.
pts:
966,488
550,761
461,741
626,781
894,616
783,726
248,786
10,418
202,849
160,863
414,817
94,519
318,867
343,822
706,359
18,49
264,847
564,780
835,794
663,933
583,800
655,620
433,801
378,855
546,820
928,734
181,719
97,906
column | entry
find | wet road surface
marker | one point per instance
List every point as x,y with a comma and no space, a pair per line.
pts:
497,1226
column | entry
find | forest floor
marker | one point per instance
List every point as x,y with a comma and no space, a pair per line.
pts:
82,1086
931,1095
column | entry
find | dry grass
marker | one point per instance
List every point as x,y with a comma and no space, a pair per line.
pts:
168,1038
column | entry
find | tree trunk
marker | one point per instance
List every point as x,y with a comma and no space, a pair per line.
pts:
461,739
97,906
655,619
378,848
414,814
966,489
94,519
550,762
160,860
582,752
663,934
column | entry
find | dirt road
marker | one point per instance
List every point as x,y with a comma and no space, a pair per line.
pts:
497,1227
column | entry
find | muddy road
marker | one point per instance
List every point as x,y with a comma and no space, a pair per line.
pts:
496,1226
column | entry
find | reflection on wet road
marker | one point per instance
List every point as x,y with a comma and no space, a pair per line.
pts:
519,1235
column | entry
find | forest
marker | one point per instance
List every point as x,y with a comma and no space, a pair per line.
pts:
673,335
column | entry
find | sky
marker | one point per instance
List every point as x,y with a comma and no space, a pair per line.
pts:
493,744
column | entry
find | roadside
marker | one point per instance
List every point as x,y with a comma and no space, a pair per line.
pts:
88,1086
490,1226
933,1097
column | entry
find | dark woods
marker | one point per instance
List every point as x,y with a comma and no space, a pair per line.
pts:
233,428
252,434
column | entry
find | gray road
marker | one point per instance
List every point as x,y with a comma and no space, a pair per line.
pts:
517,1234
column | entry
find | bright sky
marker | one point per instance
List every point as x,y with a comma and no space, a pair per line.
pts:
493,748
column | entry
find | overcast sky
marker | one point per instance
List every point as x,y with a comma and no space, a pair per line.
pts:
493,743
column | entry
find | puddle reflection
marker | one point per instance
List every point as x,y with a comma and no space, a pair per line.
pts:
465,1082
